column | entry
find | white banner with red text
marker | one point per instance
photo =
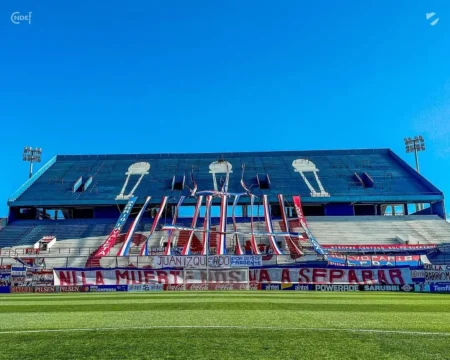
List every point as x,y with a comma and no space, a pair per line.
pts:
124,276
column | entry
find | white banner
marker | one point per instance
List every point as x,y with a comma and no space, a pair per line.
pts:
117,277
199,261
437,276
394,276
199,276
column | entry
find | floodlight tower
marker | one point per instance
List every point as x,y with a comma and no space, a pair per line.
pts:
32,156
415,145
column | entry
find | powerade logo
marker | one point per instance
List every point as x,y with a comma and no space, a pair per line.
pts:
440,287
337,288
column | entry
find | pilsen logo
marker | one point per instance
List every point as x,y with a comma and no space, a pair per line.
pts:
69,288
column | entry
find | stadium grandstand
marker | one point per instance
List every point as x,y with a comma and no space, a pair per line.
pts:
291,207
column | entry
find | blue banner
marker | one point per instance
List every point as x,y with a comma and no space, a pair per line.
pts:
145,287
5,289
243,260
297,287
107,288
270,286
440,288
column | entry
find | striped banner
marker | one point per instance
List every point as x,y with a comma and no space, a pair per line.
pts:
291,245
168,249
269,227
109,243
162,206
206,226
222,245
125,249
254,245
187,247
301,217
239,250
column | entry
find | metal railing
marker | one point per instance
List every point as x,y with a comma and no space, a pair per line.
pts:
125,261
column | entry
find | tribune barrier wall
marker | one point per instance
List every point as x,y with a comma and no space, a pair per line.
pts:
433,279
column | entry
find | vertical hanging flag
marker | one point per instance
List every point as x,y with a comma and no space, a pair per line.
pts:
269,227
187,246
206,226
290,243
301,217
162,206
168,251
111,240
125,249
239,250
222,245
253,243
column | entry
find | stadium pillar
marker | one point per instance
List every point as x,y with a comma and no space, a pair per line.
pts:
244,211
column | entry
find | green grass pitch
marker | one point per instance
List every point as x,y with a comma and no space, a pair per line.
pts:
225,325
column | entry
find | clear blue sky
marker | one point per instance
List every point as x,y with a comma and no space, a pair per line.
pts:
200,76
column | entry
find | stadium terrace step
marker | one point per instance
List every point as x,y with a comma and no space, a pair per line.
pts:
83,236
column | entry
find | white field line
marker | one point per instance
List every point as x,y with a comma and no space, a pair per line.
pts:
371,331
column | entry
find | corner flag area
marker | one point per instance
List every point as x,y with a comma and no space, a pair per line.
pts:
225,325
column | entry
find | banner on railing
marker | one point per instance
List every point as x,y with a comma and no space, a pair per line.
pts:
387,247
67,277
5,279
42,277
200,261
373,260
394,276
318,276
437,276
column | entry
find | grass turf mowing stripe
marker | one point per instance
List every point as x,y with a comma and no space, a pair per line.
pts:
270,328
231,306
224,325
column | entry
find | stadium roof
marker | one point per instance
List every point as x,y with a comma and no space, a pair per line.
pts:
371,175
